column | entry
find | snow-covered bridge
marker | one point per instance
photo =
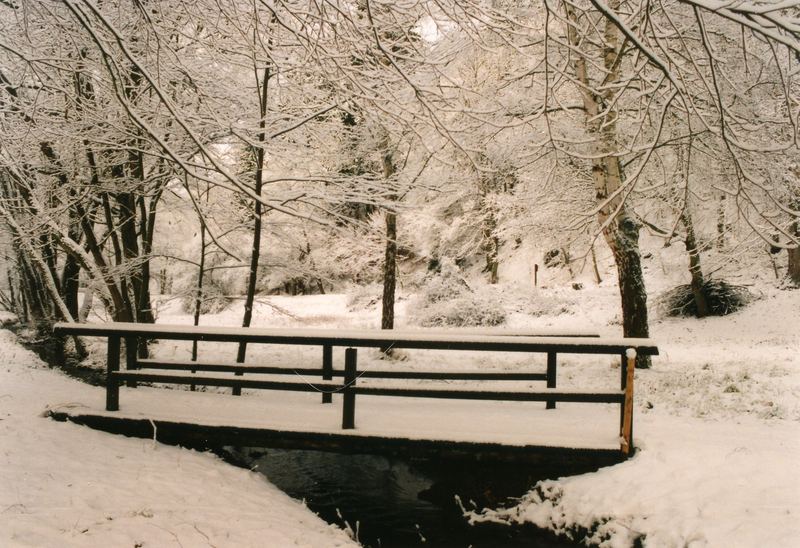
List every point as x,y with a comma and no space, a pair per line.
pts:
401,410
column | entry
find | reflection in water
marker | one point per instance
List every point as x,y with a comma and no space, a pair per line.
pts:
400,503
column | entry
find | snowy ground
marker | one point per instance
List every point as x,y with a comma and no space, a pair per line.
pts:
65,485
717,423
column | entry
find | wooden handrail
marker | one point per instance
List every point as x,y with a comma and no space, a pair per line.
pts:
175,365
352,338
494,395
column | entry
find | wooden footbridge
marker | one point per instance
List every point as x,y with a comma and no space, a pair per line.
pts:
394,418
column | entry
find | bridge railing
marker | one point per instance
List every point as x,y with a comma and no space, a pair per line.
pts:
142,370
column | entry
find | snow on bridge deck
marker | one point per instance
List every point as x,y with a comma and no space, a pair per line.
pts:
407,425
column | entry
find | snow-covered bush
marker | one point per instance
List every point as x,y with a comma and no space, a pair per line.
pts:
722,299
468,310
534,302
447,300
446,285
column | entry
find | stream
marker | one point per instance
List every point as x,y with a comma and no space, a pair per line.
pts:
393,502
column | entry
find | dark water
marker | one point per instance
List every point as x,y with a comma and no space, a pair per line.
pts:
399,502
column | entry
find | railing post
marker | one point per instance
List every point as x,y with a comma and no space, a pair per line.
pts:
551,376
195,344
327,370
349,398
627,407
131,362
112,366
623,382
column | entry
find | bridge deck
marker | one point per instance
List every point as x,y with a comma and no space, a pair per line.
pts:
413,426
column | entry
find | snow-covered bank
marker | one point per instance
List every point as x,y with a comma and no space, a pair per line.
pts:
65,485
718,427
694,482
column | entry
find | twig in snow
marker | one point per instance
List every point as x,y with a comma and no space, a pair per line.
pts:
208,540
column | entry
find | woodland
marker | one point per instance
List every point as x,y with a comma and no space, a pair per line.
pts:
222,149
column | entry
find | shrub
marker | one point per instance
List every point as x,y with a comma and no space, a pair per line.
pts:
539,303
465,311
445,285
722,299
447,300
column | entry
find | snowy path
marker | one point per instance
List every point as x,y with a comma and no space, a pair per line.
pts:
65,485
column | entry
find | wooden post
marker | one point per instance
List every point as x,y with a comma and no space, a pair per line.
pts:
551,376
623,383
131,364
112,365
195,344
349,398
627,410
327,370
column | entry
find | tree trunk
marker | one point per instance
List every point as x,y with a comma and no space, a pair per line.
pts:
619,228
146,221
624,242
690,241
35,312
695,270
390,255
596,270
70,284
86,306
198,297
491,243
722,224
11,295
257,217
119,310
794,254
389,272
